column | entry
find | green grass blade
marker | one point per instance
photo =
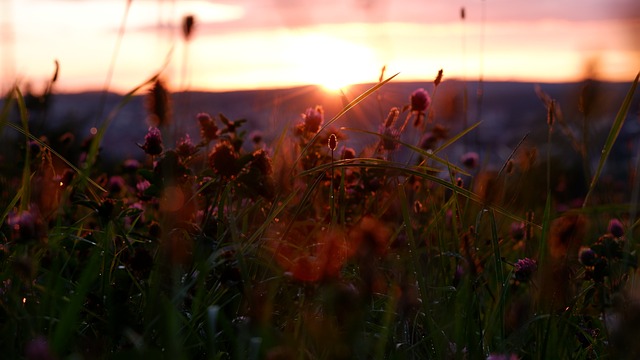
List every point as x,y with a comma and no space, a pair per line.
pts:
613,135
66,328
26,171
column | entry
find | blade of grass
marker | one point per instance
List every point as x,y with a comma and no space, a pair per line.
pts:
611,139
344,110
55,153
419,172
70,318
420,151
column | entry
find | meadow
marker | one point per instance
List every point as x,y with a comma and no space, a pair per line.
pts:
227,247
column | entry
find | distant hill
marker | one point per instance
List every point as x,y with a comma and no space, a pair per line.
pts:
507,110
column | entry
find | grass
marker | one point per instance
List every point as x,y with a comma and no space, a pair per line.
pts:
209,250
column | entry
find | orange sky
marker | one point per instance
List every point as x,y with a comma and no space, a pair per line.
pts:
249,44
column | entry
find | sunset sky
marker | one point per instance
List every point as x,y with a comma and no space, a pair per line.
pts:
250,44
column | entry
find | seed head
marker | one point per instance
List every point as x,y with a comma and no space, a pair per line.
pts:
333,142
187,26
438,79
158,104
392,117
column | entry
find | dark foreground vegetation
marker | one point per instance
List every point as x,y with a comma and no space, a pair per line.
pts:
225,247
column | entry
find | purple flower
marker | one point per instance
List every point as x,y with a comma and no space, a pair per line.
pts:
524,269
313,119
131,165
38,349
517,230
116,184
470,159
153,142
24,225
184,147
222,160
587,257
420,100
208,128
616,228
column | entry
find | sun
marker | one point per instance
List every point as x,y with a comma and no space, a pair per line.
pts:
340,63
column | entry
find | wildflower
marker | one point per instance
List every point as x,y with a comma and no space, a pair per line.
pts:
184,147
116,184
131,165
222,160
208,128
348,153
24,224
389,142
38,349
616,228
517,231
470,160
524,269
420,100
142,186
587,256
391,117
152,142
313,119
262,162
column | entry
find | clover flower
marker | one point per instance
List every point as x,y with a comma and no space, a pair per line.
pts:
587,256
208,128
524,269
616,228
313,119
222,160
152,142
24,224
518,230
185,147
470,160
420,100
